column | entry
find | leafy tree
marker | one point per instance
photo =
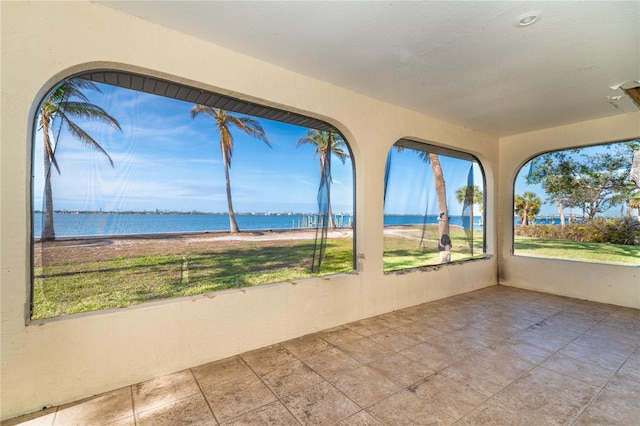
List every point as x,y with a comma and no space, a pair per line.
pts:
324,143
527,206
592,182
60,107
600,178
224,122
555,171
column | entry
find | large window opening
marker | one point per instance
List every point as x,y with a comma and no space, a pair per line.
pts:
580,204
144,189
433,206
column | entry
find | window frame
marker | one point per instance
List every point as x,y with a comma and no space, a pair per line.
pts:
429,147
512,248
190,93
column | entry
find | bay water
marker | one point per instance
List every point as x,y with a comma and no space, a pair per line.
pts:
103,224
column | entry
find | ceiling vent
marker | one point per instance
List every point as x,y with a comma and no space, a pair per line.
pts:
634,93
630,102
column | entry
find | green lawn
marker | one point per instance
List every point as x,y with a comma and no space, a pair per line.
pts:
586,252
404,253
80,287
118,282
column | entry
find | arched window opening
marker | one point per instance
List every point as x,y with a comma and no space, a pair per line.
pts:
580,204
433,206
144,189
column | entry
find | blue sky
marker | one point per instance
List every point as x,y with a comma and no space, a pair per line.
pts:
165,160
411,189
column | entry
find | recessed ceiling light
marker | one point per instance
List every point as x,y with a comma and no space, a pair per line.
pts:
527,19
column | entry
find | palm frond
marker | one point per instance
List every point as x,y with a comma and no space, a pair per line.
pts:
425,156
81,83
87,110
72,88
249,126
83,136
226,143
203,109
313,137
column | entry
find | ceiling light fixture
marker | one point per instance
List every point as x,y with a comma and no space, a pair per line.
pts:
528,18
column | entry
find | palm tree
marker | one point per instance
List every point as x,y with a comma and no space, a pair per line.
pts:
224,121
58,106
527,206
326,142
444,242
470,195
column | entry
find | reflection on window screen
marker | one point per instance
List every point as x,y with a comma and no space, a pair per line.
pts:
433,206
144,210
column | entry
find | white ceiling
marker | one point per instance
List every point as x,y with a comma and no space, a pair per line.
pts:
464,62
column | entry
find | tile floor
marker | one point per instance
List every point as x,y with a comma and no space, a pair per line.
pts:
495,356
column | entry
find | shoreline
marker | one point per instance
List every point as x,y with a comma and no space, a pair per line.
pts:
243,234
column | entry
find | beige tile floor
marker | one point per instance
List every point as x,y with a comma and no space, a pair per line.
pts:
498,356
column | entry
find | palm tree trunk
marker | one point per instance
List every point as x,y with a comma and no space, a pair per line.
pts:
444,244
48,232
332,223
325,177
471,225
233,225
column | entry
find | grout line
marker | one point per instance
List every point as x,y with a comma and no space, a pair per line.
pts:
503,302
203,395
597,394
269,387
133,406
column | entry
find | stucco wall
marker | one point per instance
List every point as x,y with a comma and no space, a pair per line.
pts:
617,285
77,356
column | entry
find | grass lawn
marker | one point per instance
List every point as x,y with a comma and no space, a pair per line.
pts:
71,287
90,282
586,252
412,250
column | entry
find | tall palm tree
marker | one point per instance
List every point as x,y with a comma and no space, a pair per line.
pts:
527,206
444,242
469,195
326,142
444,238
59,108
224,122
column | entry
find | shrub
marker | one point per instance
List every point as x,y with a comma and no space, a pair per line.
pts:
625,231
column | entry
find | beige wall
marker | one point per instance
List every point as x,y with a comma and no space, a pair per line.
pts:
603,283
76,356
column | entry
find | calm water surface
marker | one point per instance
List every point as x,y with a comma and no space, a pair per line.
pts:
100,224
